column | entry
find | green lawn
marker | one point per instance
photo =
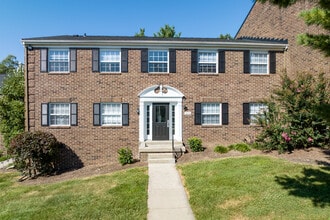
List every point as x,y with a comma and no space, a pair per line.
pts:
122,195
257,188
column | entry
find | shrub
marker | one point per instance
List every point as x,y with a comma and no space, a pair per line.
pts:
242,147
125,156
35,151
293,119
221,149
195,144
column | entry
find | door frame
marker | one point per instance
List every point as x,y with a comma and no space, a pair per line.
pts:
153,95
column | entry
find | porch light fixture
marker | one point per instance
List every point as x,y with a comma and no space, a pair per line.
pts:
185,107
138,111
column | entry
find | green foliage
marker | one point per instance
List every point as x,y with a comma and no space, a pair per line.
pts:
226,36
141,33
195,144
35,151
320,16
242,147
167,32
125,156
292,120
11,100
221,149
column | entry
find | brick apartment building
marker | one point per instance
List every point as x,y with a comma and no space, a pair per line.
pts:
97,94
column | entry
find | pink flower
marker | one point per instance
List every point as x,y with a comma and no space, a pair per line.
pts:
298,90
310,139
293,132
286,137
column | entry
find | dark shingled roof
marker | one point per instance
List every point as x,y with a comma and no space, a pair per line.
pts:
131,38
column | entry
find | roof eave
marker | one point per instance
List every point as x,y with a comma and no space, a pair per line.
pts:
235,45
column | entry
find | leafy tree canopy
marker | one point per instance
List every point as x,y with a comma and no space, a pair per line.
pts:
319,16
11,99
225,36
167,32
141,33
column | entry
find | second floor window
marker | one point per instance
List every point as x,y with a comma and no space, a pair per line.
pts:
207,62
110,61
259,62
158,61
58,60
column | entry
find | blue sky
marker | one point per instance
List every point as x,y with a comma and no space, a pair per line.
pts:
37,18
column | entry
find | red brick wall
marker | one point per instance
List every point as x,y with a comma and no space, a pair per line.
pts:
266,20
98,144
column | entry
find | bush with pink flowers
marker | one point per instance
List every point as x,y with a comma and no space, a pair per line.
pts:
292,120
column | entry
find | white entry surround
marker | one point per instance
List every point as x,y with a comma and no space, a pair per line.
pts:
160,94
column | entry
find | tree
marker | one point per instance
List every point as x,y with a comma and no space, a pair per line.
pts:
11,99
320,16
292,121
226,36
141,33
167,32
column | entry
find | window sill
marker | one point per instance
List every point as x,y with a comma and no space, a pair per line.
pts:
58,73
208,74
109,73
158,73
111,126
211,126
259,74
60,127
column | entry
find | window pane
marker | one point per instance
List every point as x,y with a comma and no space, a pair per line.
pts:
158,61
110,60
207,62
111,114
59,113
256,109
259,62
58,60
211,113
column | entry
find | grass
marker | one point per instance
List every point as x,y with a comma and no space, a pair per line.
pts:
257,188
121,195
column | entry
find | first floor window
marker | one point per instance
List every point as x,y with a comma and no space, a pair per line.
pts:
59,114
251,112
207,62
58,60
158,61
210,113
111,113
110,61
259,62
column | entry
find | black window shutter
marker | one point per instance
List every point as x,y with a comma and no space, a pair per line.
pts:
124,60
95,60
222,61
272,62
74,114
43,60
172,61
44,114
246,113
246,58
198,113
96,114
125,114
73,60
225,116
144,60
194,61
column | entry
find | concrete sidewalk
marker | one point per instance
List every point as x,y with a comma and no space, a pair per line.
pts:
167,198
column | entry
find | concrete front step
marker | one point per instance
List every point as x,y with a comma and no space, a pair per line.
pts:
160,147
161,158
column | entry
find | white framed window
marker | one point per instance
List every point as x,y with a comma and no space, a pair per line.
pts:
58,60
59,114
211,113
158,61
259,62
207,61
110,61
255,110
111,114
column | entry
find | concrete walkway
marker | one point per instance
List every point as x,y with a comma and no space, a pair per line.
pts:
167,198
